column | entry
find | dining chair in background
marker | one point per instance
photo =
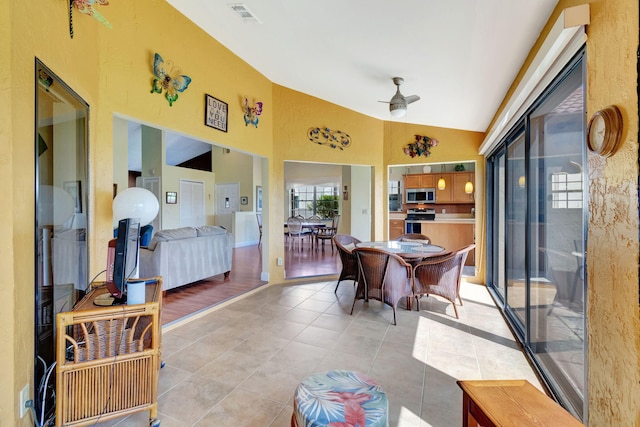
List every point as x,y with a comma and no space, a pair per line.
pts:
327,233
345,245
441,276
313,230
382,276
259,219
295,232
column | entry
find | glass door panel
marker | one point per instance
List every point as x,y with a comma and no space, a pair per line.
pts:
516,209
557,231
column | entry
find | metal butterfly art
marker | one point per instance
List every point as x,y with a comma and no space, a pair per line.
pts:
251,113
172,81
87,7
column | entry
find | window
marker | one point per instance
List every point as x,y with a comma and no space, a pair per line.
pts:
566,190
315,200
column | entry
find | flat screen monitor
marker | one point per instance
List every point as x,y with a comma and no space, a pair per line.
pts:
125,257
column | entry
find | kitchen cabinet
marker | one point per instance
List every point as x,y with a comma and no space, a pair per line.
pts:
452,236
458,182
444,196
396,228
425,180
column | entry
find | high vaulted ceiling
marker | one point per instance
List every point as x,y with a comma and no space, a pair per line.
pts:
459,56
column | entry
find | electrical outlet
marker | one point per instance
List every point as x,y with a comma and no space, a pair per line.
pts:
279,261
24,398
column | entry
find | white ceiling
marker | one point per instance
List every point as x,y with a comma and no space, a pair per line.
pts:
459,56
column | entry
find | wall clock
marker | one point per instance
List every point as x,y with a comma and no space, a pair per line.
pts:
604,133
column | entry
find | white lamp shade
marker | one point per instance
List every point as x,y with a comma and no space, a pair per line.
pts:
442,184
135,202
397,110
468,187
55,206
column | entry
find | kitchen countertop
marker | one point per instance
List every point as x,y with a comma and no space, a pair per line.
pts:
440,218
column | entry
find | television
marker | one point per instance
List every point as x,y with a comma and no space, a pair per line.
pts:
122,258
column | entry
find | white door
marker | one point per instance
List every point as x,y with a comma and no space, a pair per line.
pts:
191,201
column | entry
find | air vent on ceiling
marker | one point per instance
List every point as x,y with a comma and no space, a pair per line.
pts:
244,12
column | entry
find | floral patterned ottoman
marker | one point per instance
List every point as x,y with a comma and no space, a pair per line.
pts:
339,399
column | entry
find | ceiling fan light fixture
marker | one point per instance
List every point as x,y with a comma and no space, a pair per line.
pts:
397,110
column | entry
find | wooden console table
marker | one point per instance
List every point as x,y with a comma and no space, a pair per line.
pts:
510,403
107,359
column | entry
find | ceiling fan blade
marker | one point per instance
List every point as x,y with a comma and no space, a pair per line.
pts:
385,102
411,98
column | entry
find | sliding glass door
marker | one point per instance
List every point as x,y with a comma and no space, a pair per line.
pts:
537,237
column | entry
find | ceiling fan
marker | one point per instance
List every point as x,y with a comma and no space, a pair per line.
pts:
399,102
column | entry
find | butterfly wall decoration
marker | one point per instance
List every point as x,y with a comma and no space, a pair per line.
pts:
87,7
169,78
251,112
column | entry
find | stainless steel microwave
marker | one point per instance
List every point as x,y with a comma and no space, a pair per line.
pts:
421,195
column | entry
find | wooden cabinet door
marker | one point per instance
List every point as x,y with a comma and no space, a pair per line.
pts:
419,181
459,180
444,196
396,228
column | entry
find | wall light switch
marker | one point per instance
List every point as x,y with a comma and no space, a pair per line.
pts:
279,261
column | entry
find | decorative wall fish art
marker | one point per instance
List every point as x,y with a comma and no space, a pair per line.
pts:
169,78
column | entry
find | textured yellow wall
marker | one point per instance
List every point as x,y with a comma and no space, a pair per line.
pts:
613,318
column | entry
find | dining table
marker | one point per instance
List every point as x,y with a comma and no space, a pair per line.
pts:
311,226
410,251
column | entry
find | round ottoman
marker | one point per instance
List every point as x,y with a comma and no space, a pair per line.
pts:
339,398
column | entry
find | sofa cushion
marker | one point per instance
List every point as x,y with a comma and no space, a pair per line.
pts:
210,230
172,234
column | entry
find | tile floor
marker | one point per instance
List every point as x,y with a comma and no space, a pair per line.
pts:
239,364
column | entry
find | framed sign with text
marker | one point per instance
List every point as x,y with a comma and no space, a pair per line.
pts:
215,113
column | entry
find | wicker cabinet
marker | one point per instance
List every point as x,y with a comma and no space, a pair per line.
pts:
107,359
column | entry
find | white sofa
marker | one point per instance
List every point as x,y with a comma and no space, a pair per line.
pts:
186,255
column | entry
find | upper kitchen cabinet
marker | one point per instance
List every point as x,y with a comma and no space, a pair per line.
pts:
423,180
459,190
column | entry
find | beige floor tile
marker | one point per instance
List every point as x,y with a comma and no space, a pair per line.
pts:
193,398
231,368
274,381
249,356
314,335
242,409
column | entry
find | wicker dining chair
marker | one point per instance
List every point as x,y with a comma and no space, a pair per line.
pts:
382,276
345,245
412,236
327,233
441,276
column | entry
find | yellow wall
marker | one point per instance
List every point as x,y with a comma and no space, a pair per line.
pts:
112,71
613,317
